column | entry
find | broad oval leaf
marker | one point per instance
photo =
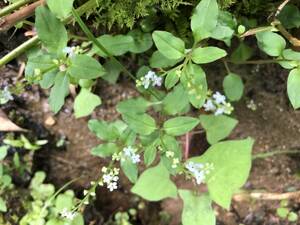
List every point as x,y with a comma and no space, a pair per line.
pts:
50,30
171,79
207,54
141,41
154,184
194,81
105,150
169,45
197,210
158,60
137,105
116,45
59,91
233,87
140,123
271,43
204,19
85,102
176,101
107,131
85,67
293,87
231,166
130,170
217,127
180,125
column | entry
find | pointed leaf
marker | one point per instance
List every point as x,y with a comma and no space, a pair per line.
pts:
180,125
85,103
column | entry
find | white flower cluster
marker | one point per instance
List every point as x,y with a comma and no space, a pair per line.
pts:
129,152
217,104
110,178
149,79
199,170
175,161
69,215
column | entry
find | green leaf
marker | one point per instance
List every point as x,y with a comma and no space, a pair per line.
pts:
290,16
42,62
176,101
50,30
113,71
282,212
169,45
193,79
154,184
140,123
271,43
3,207
180,125
61,8
85,67
116,45
105,150
59,91
289,54
242,53
130,170
137,105
141,41
292,217
204,19
233,87
171,79
217,127
3,151
48,79
106,131
225,28
293,87
158,60
150,154
231,166
207,54
197,210
85,103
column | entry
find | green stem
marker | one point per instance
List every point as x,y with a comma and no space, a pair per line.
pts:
92,38
35,40
12,7
255,62
19,50
273,153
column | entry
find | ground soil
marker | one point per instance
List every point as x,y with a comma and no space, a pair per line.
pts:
273,124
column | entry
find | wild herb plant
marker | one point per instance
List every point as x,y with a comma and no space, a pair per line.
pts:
171,84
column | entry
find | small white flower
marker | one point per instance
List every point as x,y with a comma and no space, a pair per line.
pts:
219,111
209,105
199,170
135,159
128,151
70,51
219,98
157,81
67,214
107,178
146,83
112,186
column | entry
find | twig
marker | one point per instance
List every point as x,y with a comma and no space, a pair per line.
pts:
14,6
273,153
9,21
266,196
187,146
280,7
294,41
35,40
256,30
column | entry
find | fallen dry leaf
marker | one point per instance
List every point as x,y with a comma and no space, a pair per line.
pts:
7,125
